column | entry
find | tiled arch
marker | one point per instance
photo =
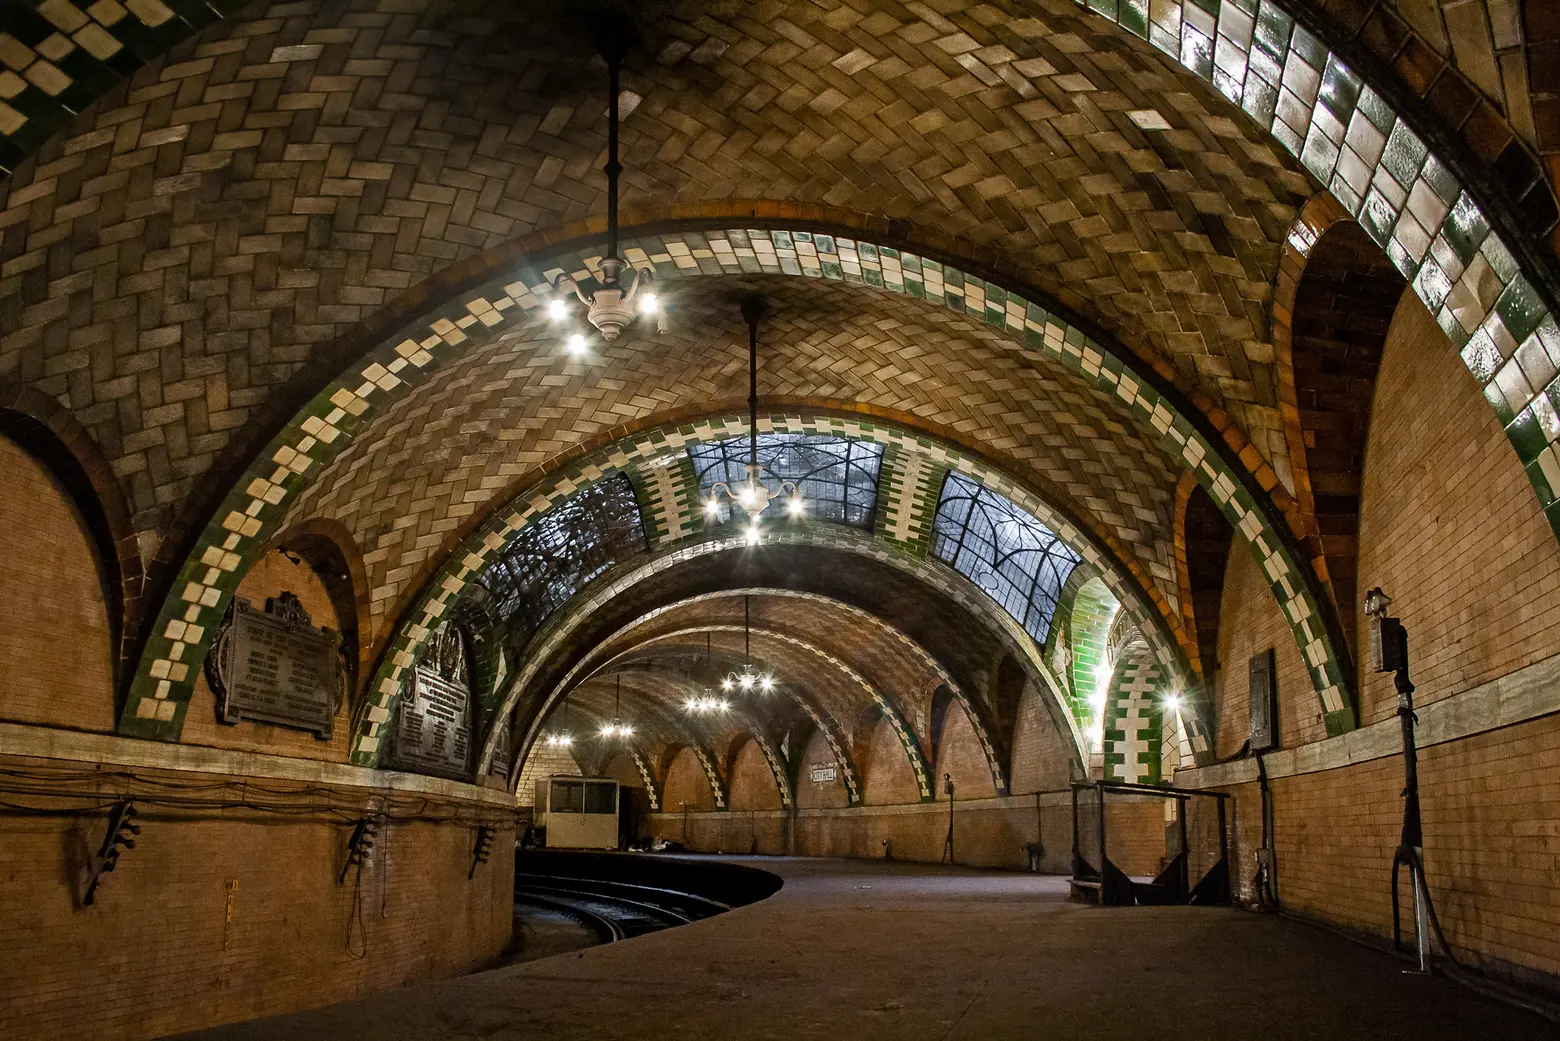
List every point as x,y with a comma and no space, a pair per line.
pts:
467,560
826,722
1461,249
319,431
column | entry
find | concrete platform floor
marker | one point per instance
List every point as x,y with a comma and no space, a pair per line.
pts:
859,949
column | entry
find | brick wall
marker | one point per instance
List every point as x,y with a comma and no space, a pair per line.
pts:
687,783
1451,528
959,754
811,794
1450,525
270,576
54,630
158,953
1040,751
1489,804
543,762
752,784
1250,621
887,776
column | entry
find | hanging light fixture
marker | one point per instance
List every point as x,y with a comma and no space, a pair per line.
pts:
611,307
747,679
705,674
753,495
561,738
617,728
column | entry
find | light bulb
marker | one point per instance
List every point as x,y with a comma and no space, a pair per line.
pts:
712,506
649,303
753,534
576,344
626,730
796,509
1173,702
747,681
725,684
768,683
557,310
747,497
723,704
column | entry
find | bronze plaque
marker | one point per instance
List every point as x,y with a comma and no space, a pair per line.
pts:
433,733
277,668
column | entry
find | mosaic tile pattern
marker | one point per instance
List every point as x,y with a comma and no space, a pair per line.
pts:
908,486
652,789
1132,719
947,582
1405,197
267,110
1093,611
777,767
717,783
250,513
492,536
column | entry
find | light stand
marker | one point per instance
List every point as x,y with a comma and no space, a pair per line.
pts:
1389,653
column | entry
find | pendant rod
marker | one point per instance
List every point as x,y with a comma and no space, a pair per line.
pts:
613,167
747,635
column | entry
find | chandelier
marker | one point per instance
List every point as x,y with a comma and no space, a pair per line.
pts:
562,737
747,679
617,728
753,495
705,674
612,307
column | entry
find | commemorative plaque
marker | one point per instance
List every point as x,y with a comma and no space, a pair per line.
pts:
433,732
274,666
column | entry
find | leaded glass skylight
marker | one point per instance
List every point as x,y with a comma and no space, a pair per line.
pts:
1001,547
555,555
837,476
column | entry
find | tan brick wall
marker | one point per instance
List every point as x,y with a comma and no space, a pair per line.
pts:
544,762
959,754
1489,803
812,794
156,953
887,776
1040,750
1250,621
687,783
54,630
752,783
270,576
1450,525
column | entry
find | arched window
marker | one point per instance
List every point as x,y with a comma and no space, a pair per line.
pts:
555,555
837,476
1019,562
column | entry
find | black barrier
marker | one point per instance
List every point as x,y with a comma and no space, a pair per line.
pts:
723,882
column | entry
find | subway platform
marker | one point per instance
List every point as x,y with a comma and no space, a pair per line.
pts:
875,950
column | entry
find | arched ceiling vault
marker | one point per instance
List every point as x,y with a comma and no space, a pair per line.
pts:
928,618
1203,155
895,664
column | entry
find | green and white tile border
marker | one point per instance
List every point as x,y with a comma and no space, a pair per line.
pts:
647,775
1132,718
255,507
711,773
777,767
1368,157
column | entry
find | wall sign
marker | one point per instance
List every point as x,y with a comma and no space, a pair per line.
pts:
433,723
1264,703
822,773
274,666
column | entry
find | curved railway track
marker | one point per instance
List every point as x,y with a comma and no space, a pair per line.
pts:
614,910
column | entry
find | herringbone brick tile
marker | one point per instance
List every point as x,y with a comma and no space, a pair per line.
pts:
189,243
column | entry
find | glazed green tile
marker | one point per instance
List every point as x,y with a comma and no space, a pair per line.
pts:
1527,435
1481,357
1404,154
1340,89
1377,217
1431,284
1104,7
1497,400
1260,100
1274,28
1520,309
1465,228
1133,16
